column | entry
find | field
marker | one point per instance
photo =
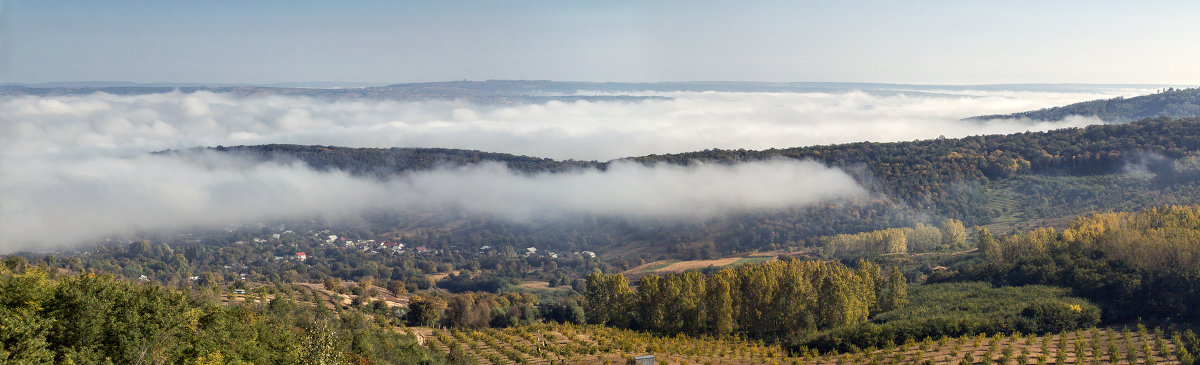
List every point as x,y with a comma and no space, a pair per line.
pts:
560,344
575,344
1095,346
677,266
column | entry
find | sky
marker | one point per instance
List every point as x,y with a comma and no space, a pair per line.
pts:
923,42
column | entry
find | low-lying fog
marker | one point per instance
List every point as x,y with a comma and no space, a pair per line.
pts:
76,168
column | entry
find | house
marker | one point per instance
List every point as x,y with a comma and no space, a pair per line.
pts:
193,278
275,236
239,291
531,250
332,237
300,256
143,278
422,249
589,254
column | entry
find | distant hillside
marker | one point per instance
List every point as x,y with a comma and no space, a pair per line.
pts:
1173,103
999,180
383,162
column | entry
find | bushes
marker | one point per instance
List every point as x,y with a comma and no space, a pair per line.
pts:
1058,316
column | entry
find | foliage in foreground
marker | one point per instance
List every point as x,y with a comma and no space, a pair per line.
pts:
96,319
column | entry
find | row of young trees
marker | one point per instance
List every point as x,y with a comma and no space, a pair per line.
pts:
769,301
922,238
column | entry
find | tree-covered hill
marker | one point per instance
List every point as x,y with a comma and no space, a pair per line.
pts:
1173,103
1023,177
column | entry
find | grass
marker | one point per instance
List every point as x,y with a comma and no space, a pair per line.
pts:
655,267
751,260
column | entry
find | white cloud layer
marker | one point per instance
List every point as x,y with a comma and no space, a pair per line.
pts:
688,121
74,200
75,168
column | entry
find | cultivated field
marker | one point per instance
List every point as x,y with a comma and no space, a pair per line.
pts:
574,344
1094,346
677,266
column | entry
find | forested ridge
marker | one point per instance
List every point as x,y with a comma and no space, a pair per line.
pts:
1171,103
974,179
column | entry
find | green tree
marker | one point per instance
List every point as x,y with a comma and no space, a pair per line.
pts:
720,303
608,299
954,235
896,295
424,311
987,245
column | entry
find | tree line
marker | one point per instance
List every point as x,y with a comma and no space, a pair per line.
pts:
950,235
1139,264
770,300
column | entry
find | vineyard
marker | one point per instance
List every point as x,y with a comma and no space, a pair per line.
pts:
574,344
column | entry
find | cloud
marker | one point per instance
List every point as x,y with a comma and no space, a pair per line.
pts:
687,121
63,202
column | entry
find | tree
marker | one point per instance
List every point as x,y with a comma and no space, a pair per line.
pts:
650,307
608,299
397,287
333,284
896,295
720,303
365,287
987,245
424,311
953,234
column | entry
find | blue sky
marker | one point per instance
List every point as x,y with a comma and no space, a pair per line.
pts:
931,42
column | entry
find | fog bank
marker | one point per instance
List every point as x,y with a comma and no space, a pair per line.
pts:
688,121
78,168
74,200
